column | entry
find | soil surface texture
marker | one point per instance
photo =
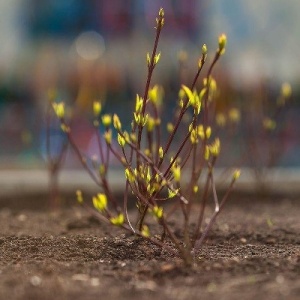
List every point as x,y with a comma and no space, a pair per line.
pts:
252,252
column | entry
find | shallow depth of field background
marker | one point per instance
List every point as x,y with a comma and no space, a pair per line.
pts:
96,49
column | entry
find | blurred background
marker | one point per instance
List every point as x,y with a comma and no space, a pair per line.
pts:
96,49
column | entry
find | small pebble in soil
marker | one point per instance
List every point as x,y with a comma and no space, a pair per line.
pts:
145,285
122,264
95,281
80,277
35,280
243,240
22,217
280,279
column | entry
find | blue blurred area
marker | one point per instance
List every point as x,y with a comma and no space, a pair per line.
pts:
96,49
56,19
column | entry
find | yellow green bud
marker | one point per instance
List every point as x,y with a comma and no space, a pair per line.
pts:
148,174
96,123
97,107
152,94
206,153
286,90
204,49
189,93
147,152
197,106
202,134
130,175
59,109
234,115
106,120
148,59
161,152
182,56
211,82
161,12
137,117
170,127
215,147
126,136
145,231
157,211
236,174
195,189
172,193
118,220
121,140
108,136
208,132
65,128
160,20
150,124
52,94
100,202
155,94
194,136
176,171
157,58
222,43
220,119
202,93
269,124
138,104
79,196
181,93
133,137
117,122
143,120
102,170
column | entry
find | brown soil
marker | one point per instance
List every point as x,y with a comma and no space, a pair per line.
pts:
253,252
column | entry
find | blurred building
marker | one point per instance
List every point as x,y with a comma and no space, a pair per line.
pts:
96,50
263,38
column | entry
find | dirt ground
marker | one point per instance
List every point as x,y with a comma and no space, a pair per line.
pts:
253,252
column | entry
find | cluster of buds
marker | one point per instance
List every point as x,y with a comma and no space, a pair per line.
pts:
160,20
139,118
155,59
212,149
157,211
215,147
199,131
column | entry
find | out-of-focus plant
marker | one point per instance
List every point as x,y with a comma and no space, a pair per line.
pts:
264,130
158,171
56,148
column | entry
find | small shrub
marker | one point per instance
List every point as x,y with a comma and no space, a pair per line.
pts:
160,170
